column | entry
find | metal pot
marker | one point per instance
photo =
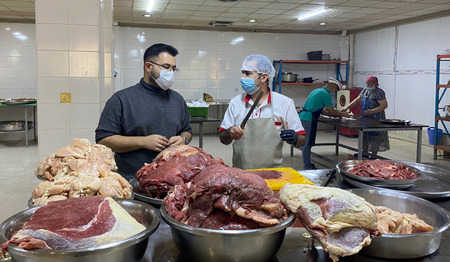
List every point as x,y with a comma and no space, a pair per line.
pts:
289,77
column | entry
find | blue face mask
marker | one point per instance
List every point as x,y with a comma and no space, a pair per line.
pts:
370,88
248,85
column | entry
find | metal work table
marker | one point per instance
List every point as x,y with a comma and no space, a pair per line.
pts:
200,121
25,109
297,246
366,124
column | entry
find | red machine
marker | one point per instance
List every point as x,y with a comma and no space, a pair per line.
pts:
344,97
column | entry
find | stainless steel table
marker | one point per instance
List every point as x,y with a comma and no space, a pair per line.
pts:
366,124
25,109
297,246
200,121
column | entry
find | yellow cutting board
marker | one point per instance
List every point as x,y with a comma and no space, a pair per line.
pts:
288,175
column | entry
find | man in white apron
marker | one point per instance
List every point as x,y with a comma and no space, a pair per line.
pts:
273,121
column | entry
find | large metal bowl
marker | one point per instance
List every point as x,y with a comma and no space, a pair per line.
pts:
130,249
346,165
406,246
11,126
207,245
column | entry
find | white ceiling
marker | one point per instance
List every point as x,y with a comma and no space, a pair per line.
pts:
271,16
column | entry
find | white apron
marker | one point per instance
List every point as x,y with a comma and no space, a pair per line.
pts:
260,147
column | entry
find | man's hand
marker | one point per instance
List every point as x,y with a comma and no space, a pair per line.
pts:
236,133
156,143
289,136
176,140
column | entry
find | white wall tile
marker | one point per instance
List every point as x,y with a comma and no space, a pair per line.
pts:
54,116
84,64
50,89
84,12
85,90
53,63
84,38
52,11
84,115
52,36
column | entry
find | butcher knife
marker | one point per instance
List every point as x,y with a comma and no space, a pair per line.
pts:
255,103
328,177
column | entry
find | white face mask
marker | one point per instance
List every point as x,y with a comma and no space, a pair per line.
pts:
165,79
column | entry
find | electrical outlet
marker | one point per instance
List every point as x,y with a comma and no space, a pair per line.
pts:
65,98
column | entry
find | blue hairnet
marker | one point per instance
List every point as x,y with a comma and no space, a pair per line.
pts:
259,63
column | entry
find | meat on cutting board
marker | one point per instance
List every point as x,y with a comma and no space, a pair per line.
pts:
76,223
343,221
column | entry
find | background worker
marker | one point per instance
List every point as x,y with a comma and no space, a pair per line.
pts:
319,101
373,103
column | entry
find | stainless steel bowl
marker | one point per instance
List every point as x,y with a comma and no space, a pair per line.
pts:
345,166
130,249
406,246
206,245
11,126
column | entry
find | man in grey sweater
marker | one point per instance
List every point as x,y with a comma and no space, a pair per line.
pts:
142,120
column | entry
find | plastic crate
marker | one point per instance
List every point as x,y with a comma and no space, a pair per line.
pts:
198,111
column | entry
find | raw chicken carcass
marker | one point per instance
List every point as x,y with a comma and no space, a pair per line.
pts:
75,184
222,197
76,223
342,221
173,166
80,156
394,222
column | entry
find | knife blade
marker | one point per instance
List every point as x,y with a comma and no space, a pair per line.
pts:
255,103
328,176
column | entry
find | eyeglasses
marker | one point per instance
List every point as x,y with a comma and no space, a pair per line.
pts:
167,67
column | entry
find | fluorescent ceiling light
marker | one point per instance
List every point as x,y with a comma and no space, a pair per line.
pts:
252,20
313,13
150,6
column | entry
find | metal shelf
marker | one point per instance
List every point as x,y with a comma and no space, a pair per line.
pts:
438,99
277,79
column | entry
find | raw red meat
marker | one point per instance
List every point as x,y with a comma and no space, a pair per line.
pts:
245,198
75,223
268,174
382,169
175,165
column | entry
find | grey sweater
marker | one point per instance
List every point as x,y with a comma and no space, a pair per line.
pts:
142,110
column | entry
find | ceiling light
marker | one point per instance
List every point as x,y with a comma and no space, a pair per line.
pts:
147,15
150,6
323,23
313,13
252,20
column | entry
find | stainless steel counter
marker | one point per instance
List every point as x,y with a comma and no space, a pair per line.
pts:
297,246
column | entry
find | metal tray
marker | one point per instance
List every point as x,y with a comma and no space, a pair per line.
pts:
434,183
395,121
345,166
141,195
19,102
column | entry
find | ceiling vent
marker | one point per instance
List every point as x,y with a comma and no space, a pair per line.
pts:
220,23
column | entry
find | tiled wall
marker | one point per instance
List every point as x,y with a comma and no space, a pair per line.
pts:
404,60
210,61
